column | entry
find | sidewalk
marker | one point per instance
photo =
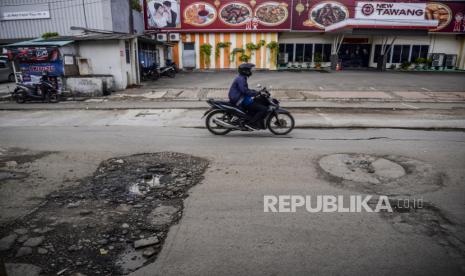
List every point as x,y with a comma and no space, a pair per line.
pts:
201,94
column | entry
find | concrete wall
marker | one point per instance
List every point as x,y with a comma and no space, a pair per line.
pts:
89,86
109,15
109,58
138,19
120,13
63,15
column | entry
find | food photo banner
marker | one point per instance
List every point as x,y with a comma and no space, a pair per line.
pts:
217,15
316,15
295,15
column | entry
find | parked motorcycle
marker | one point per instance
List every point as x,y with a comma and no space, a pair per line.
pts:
150,73
169,62
223,117
44,91
168,71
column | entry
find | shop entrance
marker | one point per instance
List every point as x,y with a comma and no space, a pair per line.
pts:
355,55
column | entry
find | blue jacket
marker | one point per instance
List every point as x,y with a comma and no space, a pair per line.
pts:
240,91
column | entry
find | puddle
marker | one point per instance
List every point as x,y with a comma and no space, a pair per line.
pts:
130,260
144,186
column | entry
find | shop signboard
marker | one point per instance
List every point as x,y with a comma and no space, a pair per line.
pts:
33,54
22,12
292,15
390,10
231,16
314,16
54,68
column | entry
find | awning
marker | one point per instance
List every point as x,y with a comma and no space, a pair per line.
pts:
40,43
381,24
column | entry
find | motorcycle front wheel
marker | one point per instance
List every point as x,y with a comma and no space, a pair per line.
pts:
280,123
214,127
19,96
155,75
52,97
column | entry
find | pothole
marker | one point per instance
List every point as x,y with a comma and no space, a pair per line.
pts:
112,223
387,175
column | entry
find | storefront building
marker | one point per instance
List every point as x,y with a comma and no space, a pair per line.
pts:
357,31
214,34
353,34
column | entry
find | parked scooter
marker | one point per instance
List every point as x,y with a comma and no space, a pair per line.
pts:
168,70
44,91
169,62
150,73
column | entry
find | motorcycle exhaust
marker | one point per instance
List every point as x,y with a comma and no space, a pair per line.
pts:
224,124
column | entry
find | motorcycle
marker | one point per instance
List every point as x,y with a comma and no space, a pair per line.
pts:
169,62
168,70
223,117
44,91
150,73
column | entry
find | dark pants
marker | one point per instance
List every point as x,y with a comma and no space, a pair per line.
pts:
256,113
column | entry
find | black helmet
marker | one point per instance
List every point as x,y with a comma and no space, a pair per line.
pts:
245,69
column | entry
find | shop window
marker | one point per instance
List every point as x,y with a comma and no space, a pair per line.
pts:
299,52
128,52
308,52
282,48
397,54
326,52
424,49
290,52
415,52
419,51
378,53
405,53
319,49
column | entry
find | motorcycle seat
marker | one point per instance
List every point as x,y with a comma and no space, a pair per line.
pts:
30,86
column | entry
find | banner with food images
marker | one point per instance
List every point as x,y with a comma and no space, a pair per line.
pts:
311,15
237,15
293,15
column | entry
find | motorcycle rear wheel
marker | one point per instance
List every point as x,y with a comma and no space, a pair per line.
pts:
281,123
212,126
171,74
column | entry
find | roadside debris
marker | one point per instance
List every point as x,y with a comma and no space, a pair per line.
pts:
112,223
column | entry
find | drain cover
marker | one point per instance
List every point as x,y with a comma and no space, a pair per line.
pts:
380,174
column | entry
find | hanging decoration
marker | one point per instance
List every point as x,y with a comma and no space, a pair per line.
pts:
300,7
253,3
217,3
307,5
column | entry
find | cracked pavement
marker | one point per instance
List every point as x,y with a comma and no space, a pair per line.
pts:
224,231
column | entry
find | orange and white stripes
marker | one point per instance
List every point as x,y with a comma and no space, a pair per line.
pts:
261,57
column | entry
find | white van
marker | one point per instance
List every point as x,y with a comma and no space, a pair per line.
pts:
6,72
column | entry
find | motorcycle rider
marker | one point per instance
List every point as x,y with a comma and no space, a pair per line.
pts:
240,95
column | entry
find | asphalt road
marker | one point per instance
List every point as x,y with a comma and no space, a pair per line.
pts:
224,230
315,81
